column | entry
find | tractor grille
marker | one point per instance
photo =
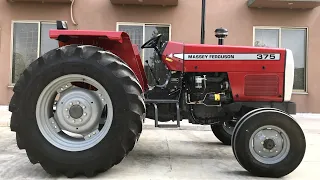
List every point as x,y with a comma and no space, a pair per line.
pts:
261,85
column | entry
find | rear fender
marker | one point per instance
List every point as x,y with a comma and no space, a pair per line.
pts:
116,42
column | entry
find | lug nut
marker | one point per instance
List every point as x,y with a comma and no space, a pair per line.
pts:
68,117
70,104
94,133
102,99
80,120
83,107
67,109
74,121
89,135
84,114
55,127
52,122
100,94
78,102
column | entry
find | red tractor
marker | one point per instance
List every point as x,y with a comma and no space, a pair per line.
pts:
80,108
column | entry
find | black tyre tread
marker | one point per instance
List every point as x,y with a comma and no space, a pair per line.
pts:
111,63
221,134
20,143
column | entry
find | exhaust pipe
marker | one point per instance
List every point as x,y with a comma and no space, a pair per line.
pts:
221,33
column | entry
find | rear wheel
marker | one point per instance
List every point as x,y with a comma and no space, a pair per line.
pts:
269,143
77,110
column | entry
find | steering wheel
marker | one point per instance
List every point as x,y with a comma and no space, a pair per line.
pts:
152,43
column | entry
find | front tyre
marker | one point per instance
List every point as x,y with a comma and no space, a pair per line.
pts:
77,110
269,143
223,131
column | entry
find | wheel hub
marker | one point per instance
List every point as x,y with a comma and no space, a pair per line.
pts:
77,111
268,144
63,123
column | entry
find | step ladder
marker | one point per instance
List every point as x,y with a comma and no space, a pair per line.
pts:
155,103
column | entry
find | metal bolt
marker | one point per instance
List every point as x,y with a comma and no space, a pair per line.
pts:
102,99
67,109
68,117
83,107
52,122
89,135
61,89
66,86
84,114
80,120
94,133
78,102
259,151
70,104
55,127
74,121
100,94
262,142
276,151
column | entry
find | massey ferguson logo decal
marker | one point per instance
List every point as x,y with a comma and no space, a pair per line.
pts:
248,56
211,56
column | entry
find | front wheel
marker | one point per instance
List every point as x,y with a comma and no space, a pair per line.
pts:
269,143
77,110
223,131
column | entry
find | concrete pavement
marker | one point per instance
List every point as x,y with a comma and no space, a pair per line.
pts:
190,152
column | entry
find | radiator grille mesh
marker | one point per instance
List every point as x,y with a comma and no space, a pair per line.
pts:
261,85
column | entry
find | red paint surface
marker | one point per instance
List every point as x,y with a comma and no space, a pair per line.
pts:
119,44
173,48
237,70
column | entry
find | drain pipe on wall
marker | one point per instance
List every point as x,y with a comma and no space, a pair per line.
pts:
71,14
203,16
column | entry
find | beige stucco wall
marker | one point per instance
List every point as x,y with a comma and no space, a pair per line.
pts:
185,21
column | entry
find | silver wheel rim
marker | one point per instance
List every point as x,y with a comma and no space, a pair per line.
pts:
228,128
269,144
76,124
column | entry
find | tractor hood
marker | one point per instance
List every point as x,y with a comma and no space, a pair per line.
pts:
266,72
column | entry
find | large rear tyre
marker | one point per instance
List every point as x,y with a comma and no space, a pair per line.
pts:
269,143
77,110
